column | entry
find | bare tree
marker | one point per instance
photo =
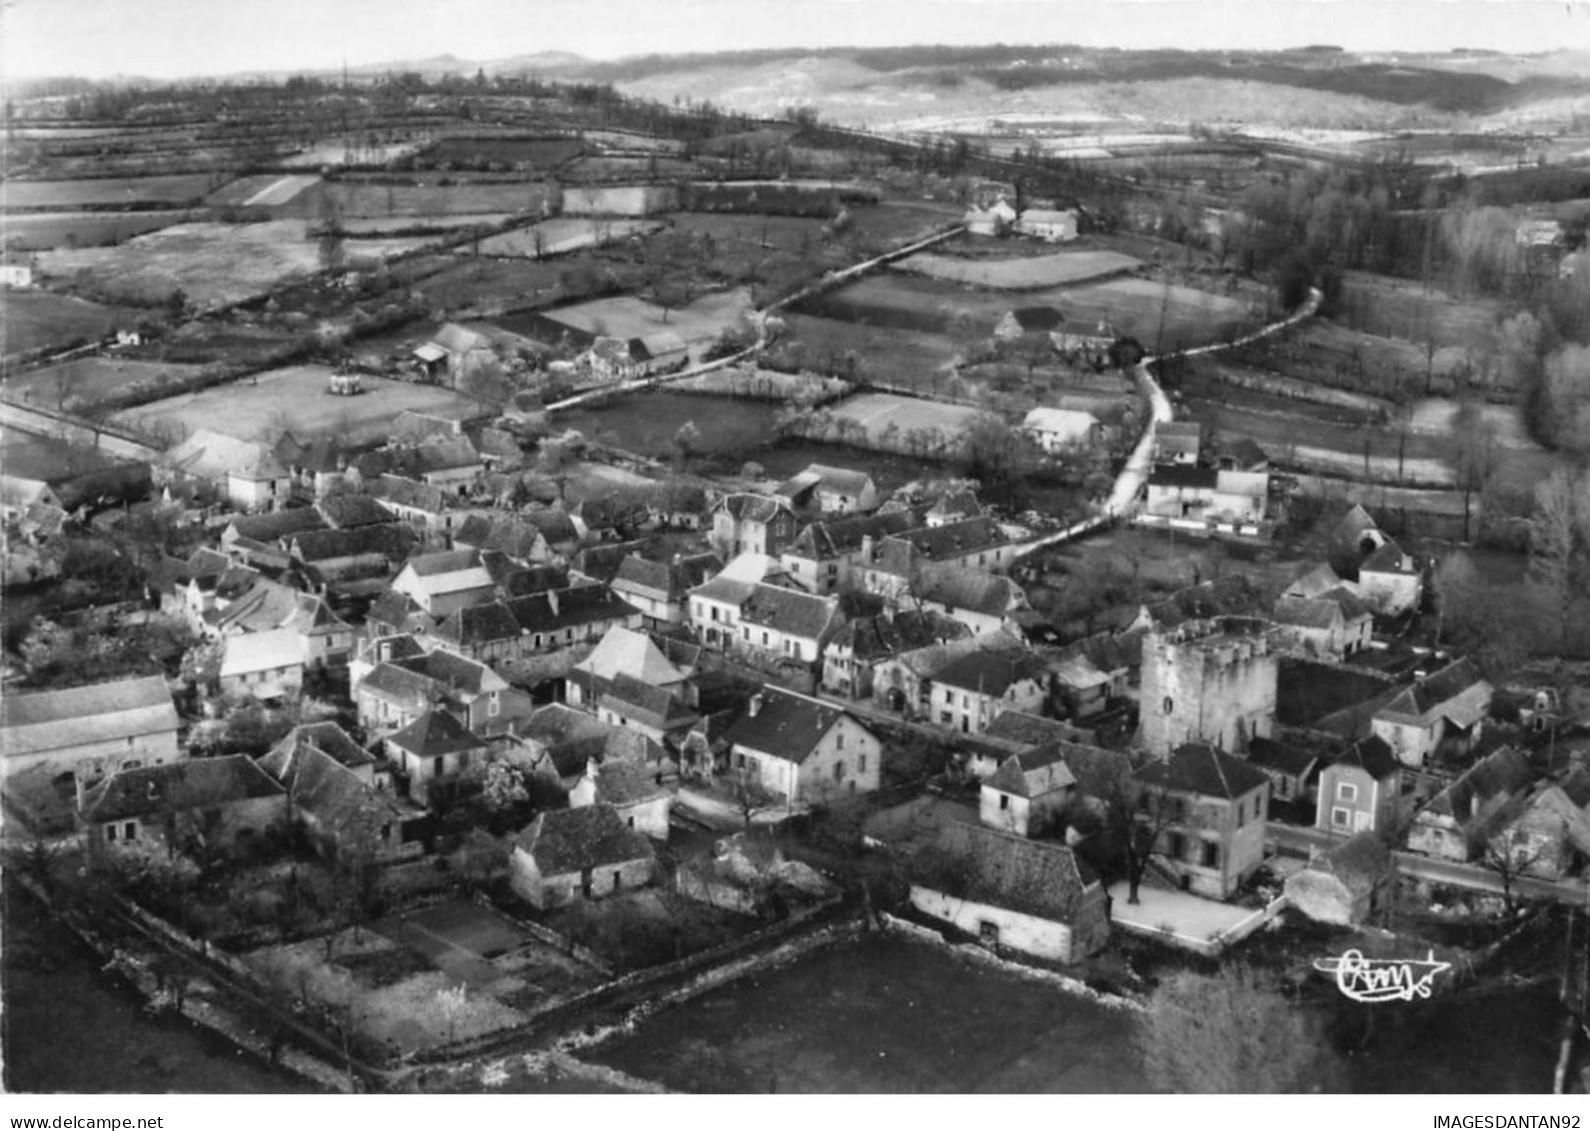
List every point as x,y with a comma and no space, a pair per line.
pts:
1558,530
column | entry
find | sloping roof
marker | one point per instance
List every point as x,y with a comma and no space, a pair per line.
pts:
411,427
478,624
987,866
601,562
336,797
1179,435
666,581
457,673
961,503
786,725
215,455
622,784
1352,525
1389,558
188,783
411,493
390,539
793,613
327,737
261,652
1313,582
346,511
641,702
987,672
555,525
1201,769
455,338
571,840
1306,612
746,507
877,637
448,571
35,721
501,533
1072,424
273,525
1034,730
834,538
974,590
822,477
433,734
1372,755
1502,773
1184,476
1232,595
1457,692
623,651
557,609
449,454
1282,757
1032,773
952,539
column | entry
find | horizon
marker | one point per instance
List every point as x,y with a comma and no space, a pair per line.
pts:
47,38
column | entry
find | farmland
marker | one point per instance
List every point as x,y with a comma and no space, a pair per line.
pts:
208,263
1024,273
351,198
35,319
400,225
878,413
645,424
541,153
456,282
38,231
80,384
903,357
109,192
296,400
560,236
625,316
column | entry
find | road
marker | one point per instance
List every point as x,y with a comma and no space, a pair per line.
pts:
1470,876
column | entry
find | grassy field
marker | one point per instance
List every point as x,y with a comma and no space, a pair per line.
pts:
1024,273
78,385
113,192
879,226
877,412
520,152
33,319
362,198
905,357
264,190
626,316
37,457
209,263
1151,311
452,282
561,236
296,400
397,225
645,423
1401,308
38,231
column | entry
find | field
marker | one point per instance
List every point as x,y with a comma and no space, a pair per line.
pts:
397,225
903,357
212,264
37,457
1026,273
37,231
1400,308
645,423
626,316
267,190
520,152
882,1014
109,192
296,400
363,198
878,412
79,384
34,319
563,235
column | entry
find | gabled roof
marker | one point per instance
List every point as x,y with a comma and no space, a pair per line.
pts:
623,651
478,625
391,540
665,581
529,580
1034,730
448,571
347,511
641,702
1389,558
555,525
1067,422
261,652
975,590
273,525
1201,769
1306,612
410,493
822,477
557,609
785,724
746,507
835,538
572,840
1372,755
793,613
36,721
188,783
455,672
215,455
411,427
1502,773
1353,525
1313,582
601,562
951,540
959,503
878,637
1281,757
434,734
1032,773
341,802
1183,476
1232,595
450,454
624,784
987,866
988,673
326,737
505,534
1457,693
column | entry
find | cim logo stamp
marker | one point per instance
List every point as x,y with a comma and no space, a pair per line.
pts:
1372,980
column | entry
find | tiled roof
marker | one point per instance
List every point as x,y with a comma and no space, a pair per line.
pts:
1456,692
457,673
557,609
1201,769
1282,757
987,866
1372,755
1032,773
505,534
621,784
754,508
790,612
844,480
573,840
274,525
341,802
664,581
1313,582
623,651
1501,773
1232,595
1306,612
975,590
786,725
878,637
36,721
1186,476
951,540
988,673
434,734
478,624
410,493
412,427
347,511
1019,726
391,539
1389,558
326,737
835,538
261,652
641,702
601,562
188,783
555,525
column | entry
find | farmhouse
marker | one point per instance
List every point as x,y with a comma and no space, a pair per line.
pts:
1361,790
344,810
1177,442
441,584
756,524
1059,429
1389,580
832,490
1028,792
641,801
202,804
1050,225
1209,810
802,749
266,665
995,219
569,854
1459,821
972,690
1207,494
1008,891
1440,715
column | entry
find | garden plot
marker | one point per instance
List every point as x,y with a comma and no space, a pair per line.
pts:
296,400
625,316
210,264
563,235
35,319
1027,273
109,192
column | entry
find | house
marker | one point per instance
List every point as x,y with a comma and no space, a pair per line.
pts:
635,792
972,690
18,493
851,658
1444,713
984,602
441,584
332,741
715,606
1332,626
266,665
1208,680
832,490
559,742
556,618
519,541
16,274
804,750
247,471
1178,442
346,811
1544,829
395,692
1242,454
1010,892
757,524
432,751
1292,767
1206,493
457,351
1209,810
824,553
1390,581
52,740
952,506
1018,323
318,467
1361,790
1049,225
1345,884
622,651
186,806
1083,688
660,590
1356,532
1316,581
1058,430
1028,792
658,713
422,505
361,552
994,220
269,531
568,854
890,567
451,465
345,512
1012,733
324,639
1083,341
786,623
1459,822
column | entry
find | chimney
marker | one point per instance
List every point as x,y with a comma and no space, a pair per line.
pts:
755,706
866,548
552,601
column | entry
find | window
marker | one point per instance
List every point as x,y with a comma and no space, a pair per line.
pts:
839,771
463,759
438,766
110,833
1242,813
1346,791
386,832
764,640
1340,818
1004,801
494,708
861,764
129,831
988,932
1168,705
839,741
1211,854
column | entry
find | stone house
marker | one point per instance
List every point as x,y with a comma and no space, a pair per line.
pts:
343,799
1360,791
1442,714
822,557
442,583
193,804
587,853
1546,828
1211,810
635,792
1293,768
1059,430
1389,580
852,656
1178,442
1458,823
1332,626
1049,224
1013,893
1028,792
803,750
433,750
972,690
786,624
660,590
757,524
831,490
266,665
1345,884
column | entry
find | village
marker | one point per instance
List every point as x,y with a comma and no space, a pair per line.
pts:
484,672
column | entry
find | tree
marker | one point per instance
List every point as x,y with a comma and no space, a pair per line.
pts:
1559,531
201,664
502,787
1509,855
686,441
1475,455
1233,1032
